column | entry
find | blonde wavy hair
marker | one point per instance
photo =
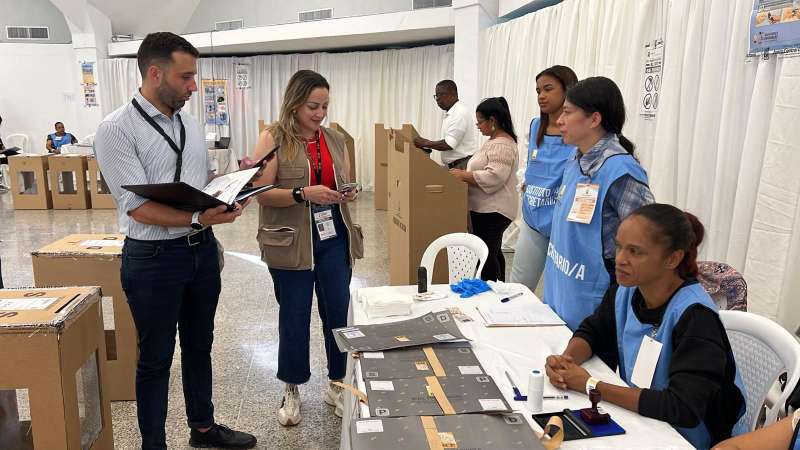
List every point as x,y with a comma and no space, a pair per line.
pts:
285,131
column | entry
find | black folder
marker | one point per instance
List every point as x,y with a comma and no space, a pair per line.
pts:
185,197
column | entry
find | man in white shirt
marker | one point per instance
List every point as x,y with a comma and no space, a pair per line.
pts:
458,141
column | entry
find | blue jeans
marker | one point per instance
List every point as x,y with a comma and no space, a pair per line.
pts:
330,278
530,255
169,285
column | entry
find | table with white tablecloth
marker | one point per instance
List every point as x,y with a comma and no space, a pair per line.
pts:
517,350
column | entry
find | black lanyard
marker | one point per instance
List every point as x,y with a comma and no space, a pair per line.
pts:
178,151
318,165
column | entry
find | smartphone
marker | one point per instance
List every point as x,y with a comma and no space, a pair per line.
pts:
347,187
268,157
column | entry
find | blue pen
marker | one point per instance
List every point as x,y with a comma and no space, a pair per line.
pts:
517,394
505,299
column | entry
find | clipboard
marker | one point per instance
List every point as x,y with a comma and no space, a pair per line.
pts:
187,198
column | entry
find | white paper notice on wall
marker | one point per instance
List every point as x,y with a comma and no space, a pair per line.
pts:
651,79
242,76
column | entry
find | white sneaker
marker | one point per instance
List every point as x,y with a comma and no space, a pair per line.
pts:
333,397
289,413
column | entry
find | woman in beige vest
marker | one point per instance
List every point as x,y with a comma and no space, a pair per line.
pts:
306,235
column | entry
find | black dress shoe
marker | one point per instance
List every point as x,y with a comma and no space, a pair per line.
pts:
220,436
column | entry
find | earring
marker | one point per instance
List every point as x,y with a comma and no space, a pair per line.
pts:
494,128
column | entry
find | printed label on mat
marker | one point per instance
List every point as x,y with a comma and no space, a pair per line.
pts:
402,339
369,426
372,355
444,337
422,365
381,385
470,370
448,440
25,304
492,404
353,334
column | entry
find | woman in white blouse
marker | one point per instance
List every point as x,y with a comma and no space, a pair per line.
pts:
492,180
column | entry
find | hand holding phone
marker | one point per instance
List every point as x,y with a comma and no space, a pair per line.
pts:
349,187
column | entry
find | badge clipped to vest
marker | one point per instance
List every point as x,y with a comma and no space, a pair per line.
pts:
534,153
584,203
646,362
323,220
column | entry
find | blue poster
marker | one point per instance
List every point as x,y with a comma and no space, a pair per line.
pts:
775,25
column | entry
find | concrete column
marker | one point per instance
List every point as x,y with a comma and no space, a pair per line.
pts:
470,16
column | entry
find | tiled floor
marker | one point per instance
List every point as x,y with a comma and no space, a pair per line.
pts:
246,392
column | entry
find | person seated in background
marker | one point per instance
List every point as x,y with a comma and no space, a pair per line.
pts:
781,435
660,313
59,138
458,141
11,151
492,180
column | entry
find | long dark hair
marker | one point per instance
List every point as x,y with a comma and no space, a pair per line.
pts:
567,78
497,107
601,95
678,230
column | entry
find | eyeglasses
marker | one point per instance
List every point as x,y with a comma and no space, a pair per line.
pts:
438,96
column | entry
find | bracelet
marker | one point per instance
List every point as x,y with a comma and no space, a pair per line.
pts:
297,193
591,383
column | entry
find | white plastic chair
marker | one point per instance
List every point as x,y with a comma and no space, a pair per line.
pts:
464,252
763,350
17,140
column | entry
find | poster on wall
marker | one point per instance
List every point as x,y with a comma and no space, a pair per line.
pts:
242,76
651,78
775,26
89,84
215,102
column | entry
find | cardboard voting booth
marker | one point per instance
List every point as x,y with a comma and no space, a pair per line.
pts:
53,376
350,143
28,181
425,202
381,167
98,189
68,182
95,260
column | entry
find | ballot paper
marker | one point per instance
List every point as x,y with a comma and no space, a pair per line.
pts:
228,186
519,314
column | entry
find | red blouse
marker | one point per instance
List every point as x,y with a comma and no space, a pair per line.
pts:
328,178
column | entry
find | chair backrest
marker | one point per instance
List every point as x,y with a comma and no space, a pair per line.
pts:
87,140
724,284
763,350
465,252
17,140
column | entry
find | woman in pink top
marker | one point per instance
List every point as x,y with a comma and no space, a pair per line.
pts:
492,180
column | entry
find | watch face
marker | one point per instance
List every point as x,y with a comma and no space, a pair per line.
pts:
196,226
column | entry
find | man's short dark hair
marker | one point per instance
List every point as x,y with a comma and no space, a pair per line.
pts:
56,124
449,86
157,48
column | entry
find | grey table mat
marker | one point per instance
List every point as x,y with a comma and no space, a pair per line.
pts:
470,431
409,397
430,328
455,358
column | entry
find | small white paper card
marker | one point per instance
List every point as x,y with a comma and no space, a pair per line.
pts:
353,334
381,385
646,362
470,370
369,426
372,355
492,404
444,337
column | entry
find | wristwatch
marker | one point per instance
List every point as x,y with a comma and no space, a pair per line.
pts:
591,383
196,225
297,193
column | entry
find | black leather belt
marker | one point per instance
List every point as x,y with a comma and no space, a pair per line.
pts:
190,240
455,163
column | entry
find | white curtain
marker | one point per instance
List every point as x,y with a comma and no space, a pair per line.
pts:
720,145
389,86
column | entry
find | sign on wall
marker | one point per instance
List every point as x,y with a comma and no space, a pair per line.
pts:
651,78
89,84
215,102
242,76
775,25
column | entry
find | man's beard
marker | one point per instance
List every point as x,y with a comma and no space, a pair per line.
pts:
170,97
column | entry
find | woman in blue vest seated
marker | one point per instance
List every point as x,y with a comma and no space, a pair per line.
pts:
56,140
602,184
547,156
781,435
659,313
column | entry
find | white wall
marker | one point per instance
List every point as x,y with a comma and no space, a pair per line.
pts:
38,13
33,98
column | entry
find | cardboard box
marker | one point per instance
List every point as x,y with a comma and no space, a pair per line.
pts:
100,194
350,143
95,260
53,380
68,182
425,202
381,167
28,181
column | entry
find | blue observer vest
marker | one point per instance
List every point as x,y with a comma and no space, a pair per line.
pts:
630,333
543,174
57,143
575,276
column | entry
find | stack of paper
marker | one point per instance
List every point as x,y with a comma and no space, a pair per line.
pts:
387,304
519,314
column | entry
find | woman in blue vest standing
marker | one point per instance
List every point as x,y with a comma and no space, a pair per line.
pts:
602,184
781,435
547,156
662,331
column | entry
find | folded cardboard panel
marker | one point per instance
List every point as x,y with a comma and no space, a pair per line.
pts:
50,342
95,259
350,143
439,360
100,194
434,327
29,188
462,431
381,196
68,182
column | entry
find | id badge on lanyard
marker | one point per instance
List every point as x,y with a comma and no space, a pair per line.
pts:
646,362
323,220
584,203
